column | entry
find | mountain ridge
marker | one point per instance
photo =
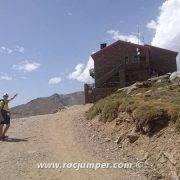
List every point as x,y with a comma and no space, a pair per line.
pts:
47,105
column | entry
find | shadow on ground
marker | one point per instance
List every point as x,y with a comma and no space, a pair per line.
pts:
15,140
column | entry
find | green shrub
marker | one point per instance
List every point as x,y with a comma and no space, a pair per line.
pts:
96,109
128,105
109,101
110,110
173,112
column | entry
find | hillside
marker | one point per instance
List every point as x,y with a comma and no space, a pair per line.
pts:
144,122
47,105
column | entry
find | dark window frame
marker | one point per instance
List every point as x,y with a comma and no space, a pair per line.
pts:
136,59
126,59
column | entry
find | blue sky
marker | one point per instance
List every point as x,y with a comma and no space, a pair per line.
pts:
44,39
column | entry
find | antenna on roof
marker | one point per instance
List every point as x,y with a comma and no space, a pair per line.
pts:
138,34
137,50
143,39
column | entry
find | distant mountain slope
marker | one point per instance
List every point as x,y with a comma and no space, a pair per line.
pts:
47,105
72,99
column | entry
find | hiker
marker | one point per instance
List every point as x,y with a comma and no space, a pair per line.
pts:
5,115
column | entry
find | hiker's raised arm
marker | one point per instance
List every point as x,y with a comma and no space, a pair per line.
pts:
10,99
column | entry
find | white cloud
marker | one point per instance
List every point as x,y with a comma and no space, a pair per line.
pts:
77,72
81,72
6,50
151,25
69,14
116,35
167,34
55,80
23,77
5,77
19,49
26,66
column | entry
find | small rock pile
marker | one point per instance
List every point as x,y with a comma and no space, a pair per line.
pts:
174,78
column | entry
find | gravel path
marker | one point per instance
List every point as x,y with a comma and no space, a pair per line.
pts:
52,138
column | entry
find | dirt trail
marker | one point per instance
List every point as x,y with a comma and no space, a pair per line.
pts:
50,138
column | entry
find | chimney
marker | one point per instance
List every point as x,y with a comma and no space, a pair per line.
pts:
103,45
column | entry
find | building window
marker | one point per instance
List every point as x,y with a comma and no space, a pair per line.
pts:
126,59
136,59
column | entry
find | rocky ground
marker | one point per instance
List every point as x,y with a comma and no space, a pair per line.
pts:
159,154
61,138
142,122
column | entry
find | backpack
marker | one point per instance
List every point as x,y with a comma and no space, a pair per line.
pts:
2,103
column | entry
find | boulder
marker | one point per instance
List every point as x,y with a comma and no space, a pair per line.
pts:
175,78
160,78
129,89
132,137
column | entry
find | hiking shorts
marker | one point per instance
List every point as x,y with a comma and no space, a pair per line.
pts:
6,117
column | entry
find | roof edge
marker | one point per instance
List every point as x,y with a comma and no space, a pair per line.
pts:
130,43
113,44
175,52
